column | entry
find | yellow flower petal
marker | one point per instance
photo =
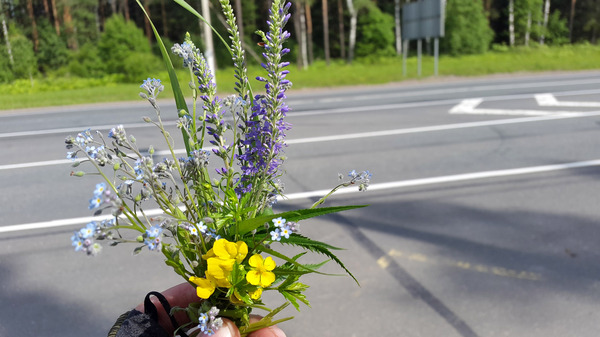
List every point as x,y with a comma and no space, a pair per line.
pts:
205,287
269,263
267,278
220,249
219,269
209,254
255,295
242,251
253,277
255,261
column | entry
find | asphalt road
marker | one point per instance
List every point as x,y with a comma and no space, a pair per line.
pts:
483,216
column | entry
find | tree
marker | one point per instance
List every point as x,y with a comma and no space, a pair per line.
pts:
511,22
571,20
299,15
398,28
55,16
545,21
5,33
70,30
34,30
341,29
147,28
309,33
591,19
326,30
352,35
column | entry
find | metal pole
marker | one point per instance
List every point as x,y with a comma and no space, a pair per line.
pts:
404,54
209,51
436,55
419,57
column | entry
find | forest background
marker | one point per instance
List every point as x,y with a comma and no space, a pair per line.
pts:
93,49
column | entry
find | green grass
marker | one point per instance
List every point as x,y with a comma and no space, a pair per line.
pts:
65,91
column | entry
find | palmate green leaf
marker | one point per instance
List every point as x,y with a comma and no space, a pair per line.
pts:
249,225
291,261
293,295
318,247
177,93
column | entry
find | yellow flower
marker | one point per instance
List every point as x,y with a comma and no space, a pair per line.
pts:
204,288
261,274
218,270
220,261
235,298
255,295
226,250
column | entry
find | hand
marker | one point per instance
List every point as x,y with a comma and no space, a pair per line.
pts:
182,295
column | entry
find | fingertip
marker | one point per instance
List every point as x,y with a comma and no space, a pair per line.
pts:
229,329
272,331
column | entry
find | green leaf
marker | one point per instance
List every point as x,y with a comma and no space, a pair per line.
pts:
265,321
249,225
319,247
293,295
292,270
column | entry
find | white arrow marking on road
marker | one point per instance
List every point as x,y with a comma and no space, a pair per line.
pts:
550,100
469,106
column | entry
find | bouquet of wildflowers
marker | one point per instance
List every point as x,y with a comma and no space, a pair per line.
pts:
215,225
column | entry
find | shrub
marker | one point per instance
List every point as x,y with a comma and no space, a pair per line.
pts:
375,36
118,42
25,63
557,30
6,74
139,65
52,52
86,62
467,30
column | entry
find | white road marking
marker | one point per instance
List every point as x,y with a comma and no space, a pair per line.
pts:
384,133
454,90
67,131
320,193
469,106
550,100
294,114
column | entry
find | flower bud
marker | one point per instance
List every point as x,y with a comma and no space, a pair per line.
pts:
78,173
151,150
139,239
116,166
147,119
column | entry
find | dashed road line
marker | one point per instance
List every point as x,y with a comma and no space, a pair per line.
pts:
474,267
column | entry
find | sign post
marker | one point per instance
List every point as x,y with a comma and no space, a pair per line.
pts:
422,20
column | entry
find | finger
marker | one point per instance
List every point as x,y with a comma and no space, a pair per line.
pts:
272,331
180,295
227,330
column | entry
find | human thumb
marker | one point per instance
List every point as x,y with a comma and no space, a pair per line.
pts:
229,329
